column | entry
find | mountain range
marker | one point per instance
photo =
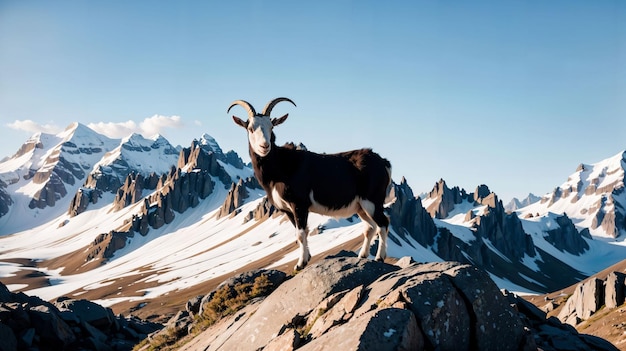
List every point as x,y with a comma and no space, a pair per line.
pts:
127,222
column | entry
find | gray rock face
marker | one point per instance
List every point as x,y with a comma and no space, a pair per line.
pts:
347,303
408,213
445,199
235,198
566,237
5,199
614,289
300,295
591,295
29,323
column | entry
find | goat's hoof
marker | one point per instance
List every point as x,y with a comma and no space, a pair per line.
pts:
380,259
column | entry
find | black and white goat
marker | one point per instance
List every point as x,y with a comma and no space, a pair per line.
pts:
298,182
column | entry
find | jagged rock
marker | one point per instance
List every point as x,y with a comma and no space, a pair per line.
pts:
53,190
89,312
614,289
505,232
587,298
130,192
384,329
5,199
52,330
347,303
262,211
301,294
9,341
82,199
193,305
566,237
235,198
407,213
29,323
444,199
592,298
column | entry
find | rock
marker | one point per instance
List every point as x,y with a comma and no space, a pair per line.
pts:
287,341
39,325
9,341
566,237
405,261
614,289
301,294
385,329
408,213
494,324
591,298
89,312
234,199
193,305
51,329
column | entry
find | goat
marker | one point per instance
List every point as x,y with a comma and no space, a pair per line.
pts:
298,181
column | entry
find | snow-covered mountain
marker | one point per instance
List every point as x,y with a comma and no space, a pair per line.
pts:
593,197
515,203
171,223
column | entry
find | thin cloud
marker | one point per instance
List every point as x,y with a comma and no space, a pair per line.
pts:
31,126
148,127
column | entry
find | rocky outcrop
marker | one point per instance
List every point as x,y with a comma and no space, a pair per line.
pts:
132,189
444,199
504,231
347,303
5,199
262,211
550,333
236,195
29,323
409,217
591,295
566,237
82,199
53,190
183,187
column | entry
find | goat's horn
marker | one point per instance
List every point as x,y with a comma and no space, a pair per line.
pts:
244,104
270,105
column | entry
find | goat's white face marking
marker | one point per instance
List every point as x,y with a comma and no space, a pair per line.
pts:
260,134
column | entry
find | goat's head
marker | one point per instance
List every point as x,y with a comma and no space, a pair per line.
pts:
260,125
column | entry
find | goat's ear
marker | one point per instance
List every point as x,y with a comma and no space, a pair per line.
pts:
277,121
240,122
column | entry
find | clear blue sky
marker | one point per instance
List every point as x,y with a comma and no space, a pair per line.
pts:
512,94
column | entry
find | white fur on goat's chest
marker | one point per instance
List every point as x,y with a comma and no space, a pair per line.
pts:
343,212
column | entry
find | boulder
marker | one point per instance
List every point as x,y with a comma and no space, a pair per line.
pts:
301,294
386,329
614,289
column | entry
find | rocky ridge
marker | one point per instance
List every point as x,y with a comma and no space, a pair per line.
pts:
30,323
180,189
346,303
489,225
602,186
592,295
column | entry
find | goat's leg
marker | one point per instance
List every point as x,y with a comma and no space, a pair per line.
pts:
302,233
382,222
368,234
381,254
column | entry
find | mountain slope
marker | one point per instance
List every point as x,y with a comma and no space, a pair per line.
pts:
593,197
206,218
